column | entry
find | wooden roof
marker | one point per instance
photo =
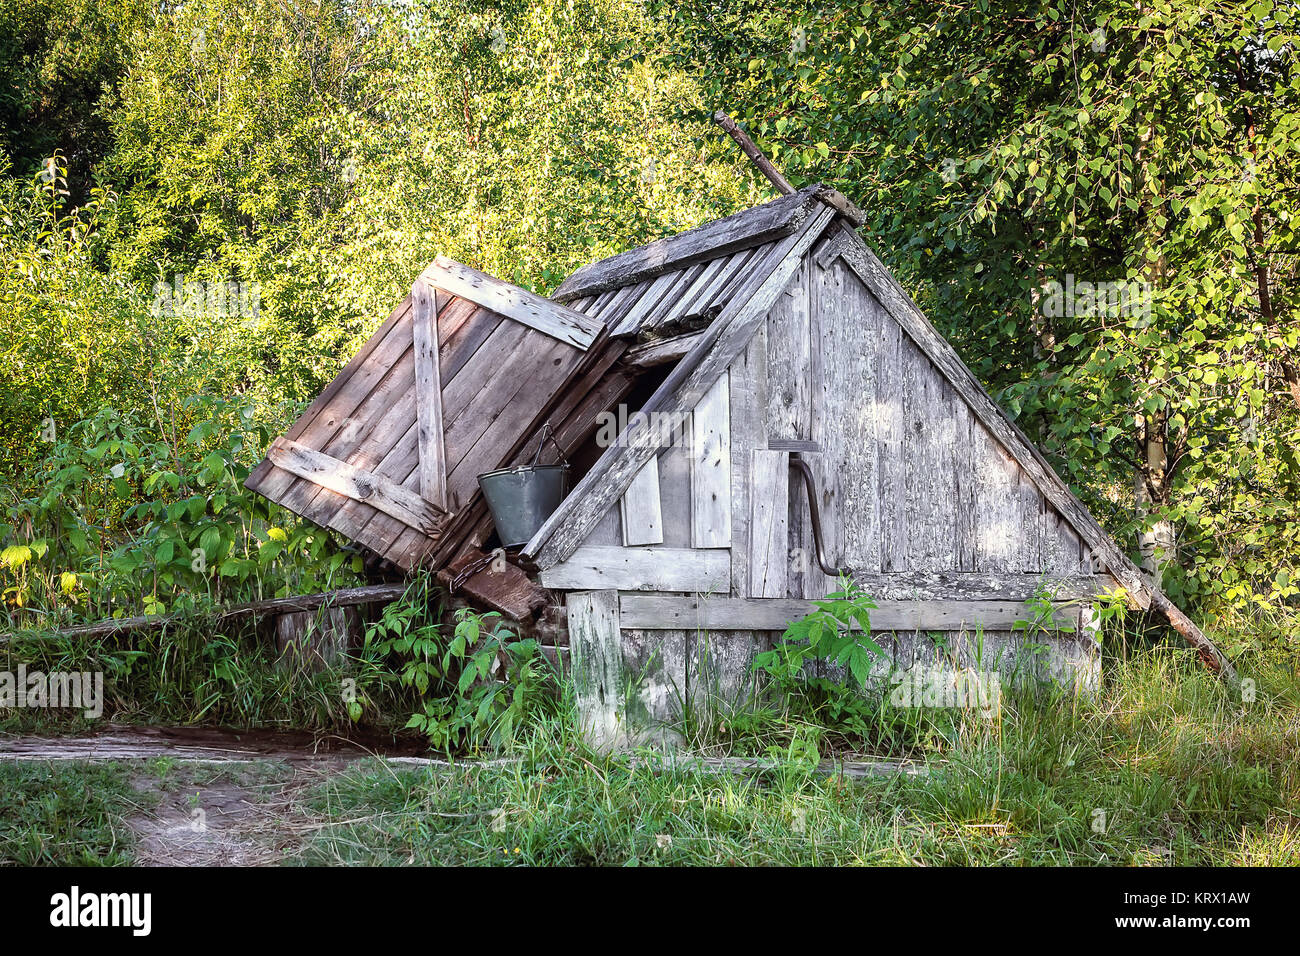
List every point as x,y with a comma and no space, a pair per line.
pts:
390,452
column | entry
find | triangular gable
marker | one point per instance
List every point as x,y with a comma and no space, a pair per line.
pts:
718,346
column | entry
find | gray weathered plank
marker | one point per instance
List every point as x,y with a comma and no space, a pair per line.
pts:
641,569
596,656
428,395
640,509
659,611
768,529
344,479
748,378
711,468
789,351
751,227
558,321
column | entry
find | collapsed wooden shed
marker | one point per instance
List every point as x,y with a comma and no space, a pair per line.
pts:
720,394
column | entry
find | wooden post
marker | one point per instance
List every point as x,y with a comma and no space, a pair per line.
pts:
316,639
753,152
596,656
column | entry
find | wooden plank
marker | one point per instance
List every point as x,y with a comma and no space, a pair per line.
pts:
646,303
428,396
886,288
596,657
661,352
672,612
751,227
639,508
927,448
557,321
685,385
768,530
891,486
641,569
748,377
978,585
789,351
711,468
344,479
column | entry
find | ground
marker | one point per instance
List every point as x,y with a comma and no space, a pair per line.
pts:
1163,768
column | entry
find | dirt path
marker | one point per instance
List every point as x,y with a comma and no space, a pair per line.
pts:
215,797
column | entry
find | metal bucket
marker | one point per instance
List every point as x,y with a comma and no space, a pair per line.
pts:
521,499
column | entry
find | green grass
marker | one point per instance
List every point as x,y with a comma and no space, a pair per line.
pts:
65,814
1183,774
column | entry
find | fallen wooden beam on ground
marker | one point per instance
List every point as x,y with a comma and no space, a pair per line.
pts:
346,597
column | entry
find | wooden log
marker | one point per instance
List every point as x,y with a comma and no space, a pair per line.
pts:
346,597
753,152
1210,655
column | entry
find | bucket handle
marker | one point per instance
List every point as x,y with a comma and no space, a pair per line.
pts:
548,432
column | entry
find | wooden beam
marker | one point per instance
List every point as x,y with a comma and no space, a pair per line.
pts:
650,354
552,318
684,386
641,569
980,586
346,597
753,227
344,479
753,152
669,612
428,395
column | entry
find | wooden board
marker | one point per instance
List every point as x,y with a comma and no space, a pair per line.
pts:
596,657
555,320
749,228
641,569
428,395
711,468
344,479
768,532
654,611
640,511
789,350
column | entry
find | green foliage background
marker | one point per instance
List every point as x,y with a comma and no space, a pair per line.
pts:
321,153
